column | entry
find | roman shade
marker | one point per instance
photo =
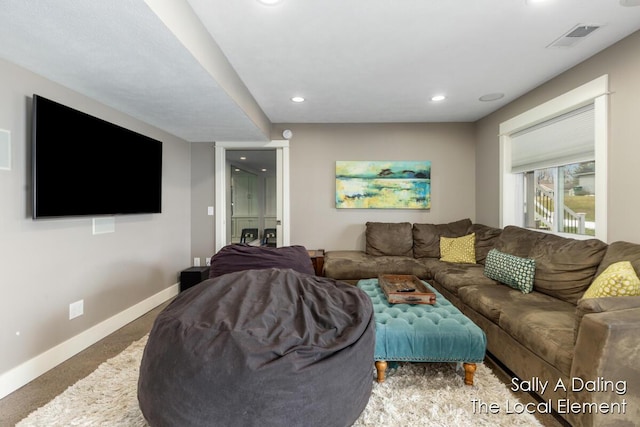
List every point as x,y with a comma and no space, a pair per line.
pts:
565,139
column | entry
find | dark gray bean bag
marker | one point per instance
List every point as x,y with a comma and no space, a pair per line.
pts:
271,347
239,257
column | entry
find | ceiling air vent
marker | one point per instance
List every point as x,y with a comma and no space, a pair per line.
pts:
574,35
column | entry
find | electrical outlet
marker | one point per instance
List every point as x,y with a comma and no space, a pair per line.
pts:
76,309
196,262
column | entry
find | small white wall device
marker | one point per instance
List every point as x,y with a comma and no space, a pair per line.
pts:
287,134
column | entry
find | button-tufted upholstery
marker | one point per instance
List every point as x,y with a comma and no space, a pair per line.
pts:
422,332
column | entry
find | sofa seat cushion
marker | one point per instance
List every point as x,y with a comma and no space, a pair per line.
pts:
566,267
488,300
452,277
355,265
543,324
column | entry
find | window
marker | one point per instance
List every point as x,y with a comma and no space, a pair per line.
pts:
561,199
553,164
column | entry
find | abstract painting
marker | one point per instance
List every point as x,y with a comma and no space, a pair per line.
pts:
383,184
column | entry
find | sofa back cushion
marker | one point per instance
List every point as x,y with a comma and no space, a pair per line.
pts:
486,239
426,237
621,251
566,267
517,241
389,238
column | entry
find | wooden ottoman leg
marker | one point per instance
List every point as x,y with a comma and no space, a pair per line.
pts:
469,370
381,368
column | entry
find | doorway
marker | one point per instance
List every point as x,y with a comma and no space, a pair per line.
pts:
252,198
226,227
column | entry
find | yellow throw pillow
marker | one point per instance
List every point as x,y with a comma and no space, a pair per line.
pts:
458,249
617,280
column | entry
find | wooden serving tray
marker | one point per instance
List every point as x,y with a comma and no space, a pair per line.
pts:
405,289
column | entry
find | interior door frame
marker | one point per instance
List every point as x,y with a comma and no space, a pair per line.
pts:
282,187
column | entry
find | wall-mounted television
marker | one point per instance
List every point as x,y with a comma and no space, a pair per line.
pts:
83,165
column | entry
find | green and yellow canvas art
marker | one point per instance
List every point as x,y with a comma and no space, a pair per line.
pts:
383,184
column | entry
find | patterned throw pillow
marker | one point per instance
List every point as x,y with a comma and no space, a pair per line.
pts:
458,249
511,270
617,280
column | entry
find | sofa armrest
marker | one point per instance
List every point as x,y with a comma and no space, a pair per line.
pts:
600,305
606,353
597,305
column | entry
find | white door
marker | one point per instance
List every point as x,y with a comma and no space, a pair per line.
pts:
282,188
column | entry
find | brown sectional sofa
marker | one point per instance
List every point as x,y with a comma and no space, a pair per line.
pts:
585,350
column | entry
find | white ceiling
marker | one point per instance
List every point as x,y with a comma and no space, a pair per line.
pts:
354,61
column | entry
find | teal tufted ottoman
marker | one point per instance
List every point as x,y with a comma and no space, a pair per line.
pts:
423,333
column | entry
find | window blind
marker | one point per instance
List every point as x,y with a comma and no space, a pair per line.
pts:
563,140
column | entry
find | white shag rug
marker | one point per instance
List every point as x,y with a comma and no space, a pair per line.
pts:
414,394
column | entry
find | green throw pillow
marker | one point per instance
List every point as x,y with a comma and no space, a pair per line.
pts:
511,270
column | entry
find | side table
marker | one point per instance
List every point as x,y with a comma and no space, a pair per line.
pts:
192,276
317,259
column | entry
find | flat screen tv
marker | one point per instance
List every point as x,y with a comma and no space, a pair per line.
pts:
83,165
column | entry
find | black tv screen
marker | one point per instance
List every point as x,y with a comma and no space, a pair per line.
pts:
83,165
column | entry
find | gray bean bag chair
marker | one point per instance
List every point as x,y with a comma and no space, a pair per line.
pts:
271,347
238,257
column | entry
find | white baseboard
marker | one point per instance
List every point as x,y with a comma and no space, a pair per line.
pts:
33,368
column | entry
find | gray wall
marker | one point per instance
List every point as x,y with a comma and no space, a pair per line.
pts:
202,196
622,63
47,264
314,149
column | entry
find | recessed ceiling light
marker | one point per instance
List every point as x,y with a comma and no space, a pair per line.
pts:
297,99
269,2
491,97
263,170
243,158
437,98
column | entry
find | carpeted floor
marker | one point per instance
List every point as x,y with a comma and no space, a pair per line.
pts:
413,394
43,389
432,394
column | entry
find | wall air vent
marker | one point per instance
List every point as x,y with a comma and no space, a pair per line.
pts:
574,35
